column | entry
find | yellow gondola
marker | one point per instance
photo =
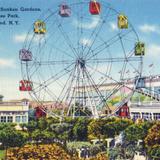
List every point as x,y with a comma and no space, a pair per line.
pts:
39,27
122,21
139,49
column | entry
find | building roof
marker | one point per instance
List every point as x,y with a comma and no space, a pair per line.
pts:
149,108
13,108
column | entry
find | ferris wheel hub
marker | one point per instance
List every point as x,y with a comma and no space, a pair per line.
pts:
81,63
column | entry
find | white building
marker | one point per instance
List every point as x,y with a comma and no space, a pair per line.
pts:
148,111
14,112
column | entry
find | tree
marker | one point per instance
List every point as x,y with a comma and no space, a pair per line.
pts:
154,152
95,129
153,137
9,137
80,129
31,126
137,132
42,123
123,151
42,136
152,141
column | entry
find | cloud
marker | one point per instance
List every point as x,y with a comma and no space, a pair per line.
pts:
146,28
113,26
90,25
86,42
20,38
153,50
7,63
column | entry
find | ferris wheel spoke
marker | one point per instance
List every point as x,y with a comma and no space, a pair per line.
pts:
41,63
55,77
44,88
102,98
104,75
138,60
62,51
53,45
74,99
93,84
97,33
115,89
118,84
125,61
106,44
67,86
79,28
116,59
67,40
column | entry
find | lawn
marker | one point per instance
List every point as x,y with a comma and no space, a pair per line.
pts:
2,154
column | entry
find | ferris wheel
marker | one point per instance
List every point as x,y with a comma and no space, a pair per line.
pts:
79,56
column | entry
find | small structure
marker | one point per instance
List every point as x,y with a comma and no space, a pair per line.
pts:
122,21
64,10
25,55
123,112
39,27
25,85
140,82
14,112
139,49
39,112
145,111
94,7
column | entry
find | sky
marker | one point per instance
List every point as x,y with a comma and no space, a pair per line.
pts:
143,15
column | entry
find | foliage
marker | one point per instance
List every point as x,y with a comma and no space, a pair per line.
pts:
42,124
153,137
134,133
101,156
80,129
6,125
107,128
78,145
48,152
154,152
30,152
31,126
121,152
9,137
137,132
93,150
2,154
95,129
139,97
41,136
62,131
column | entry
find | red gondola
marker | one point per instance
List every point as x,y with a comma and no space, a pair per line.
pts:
39,113
64,10
94,7
25,55
124,111
25,85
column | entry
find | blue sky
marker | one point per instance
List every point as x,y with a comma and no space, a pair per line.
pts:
143,15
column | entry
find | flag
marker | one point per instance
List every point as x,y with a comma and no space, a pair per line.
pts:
120,72
151,65
127,71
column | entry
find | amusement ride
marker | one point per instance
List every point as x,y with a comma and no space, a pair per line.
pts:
73,50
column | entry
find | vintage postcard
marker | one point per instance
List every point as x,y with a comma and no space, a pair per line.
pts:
79,80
